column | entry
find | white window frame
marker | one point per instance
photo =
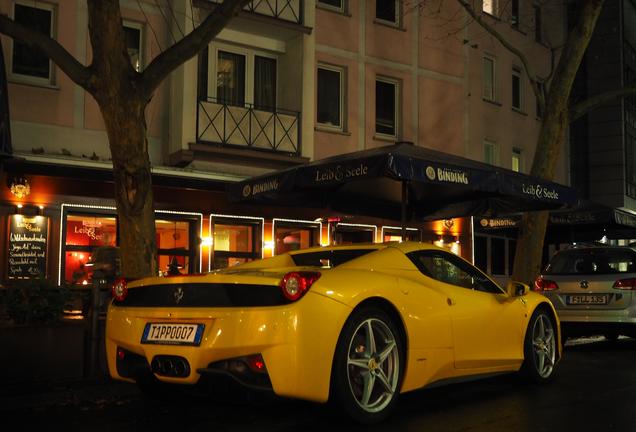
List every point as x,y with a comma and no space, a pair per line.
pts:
518,72
142,38
341,9
397,103
517,154
342,72
250,61
492,94
492,148
28,79
398,15
491,7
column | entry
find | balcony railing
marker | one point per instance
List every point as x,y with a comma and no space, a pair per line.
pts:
247,126
287,10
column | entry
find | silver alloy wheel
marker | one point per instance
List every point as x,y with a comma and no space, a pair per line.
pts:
544,345
373,365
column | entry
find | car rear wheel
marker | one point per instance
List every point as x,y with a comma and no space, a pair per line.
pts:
368,366
540,347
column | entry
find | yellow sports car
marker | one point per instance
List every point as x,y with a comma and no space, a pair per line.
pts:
357,324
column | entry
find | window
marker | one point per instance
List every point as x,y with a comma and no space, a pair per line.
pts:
517,161
134,44
244,77
175,239
386,107
491,153
489,79
337,5
448,268
290,236
514,13
395,234
264,83
84,233
388,11
491,7
517,88
235,241
230,78
349,234
537,24
27,63
330,97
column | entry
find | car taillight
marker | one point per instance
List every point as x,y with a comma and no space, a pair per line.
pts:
545,285
625,284
295,284
119,289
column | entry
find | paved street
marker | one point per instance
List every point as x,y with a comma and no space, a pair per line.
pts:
595,390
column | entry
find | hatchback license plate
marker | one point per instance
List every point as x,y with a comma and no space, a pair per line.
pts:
172,334
587,299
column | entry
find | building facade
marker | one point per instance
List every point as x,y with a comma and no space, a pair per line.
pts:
284,83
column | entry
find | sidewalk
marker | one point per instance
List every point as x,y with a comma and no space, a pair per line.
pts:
84,393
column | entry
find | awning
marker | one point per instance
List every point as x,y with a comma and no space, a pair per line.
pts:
403,182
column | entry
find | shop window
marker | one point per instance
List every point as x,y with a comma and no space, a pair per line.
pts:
348,234
175,251
235,242
29,64
481,253
395,234
295,236
85,233
498,256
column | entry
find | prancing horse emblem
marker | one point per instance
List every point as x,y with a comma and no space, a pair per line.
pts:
584,284
178,295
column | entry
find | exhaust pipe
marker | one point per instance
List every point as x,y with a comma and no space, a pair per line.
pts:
170,366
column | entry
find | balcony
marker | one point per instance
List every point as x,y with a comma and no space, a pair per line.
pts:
286,10
245,126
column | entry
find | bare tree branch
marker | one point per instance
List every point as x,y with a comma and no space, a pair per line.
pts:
580,109
190,45
77,72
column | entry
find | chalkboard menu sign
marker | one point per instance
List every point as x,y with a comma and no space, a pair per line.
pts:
27,246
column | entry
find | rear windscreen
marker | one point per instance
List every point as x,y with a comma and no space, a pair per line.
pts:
592,261
328,258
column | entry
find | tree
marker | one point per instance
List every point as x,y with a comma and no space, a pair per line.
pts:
122,94
553,97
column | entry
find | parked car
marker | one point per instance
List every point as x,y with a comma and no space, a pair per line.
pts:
358,324
592,289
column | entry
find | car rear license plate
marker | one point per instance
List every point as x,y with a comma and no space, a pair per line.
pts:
172,334
587,299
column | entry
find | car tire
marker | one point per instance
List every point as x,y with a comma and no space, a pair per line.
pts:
368,366
540,347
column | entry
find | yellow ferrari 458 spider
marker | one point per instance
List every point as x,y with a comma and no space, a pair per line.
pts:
356,324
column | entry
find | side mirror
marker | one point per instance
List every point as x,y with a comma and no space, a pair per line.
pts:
517,289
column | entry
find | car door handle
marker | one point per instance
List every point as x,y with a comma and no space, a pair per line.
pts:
450,301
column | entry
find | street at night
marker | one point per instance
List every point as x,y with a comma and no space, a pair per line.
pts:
594,390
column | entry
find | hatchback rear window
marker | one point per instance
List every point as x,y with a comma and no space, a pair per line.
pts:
328,258
592,261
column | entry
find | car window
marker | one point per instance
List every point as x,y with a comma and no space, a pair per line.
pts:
448,268
328,258
592,261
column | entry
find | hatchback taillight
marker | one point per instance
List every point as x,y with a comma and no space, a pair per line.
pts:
294,285
625,284
545,285
119,289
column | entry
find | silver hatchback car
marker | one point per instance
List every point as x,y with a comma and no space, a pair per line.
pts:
593,290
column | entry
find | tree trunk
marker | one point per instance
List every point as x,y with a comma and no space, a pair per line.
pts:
552,138
116,87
